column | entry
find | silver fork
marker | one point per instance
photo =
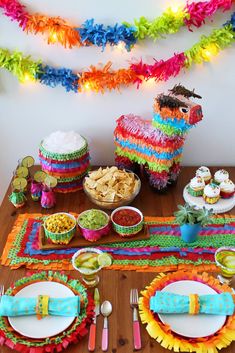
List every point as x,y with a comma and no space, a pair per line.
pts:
1,291
136,324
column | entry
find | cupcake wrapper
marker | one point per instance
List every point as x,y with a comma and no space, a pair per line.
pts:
211,200
226,195
207,181
194,192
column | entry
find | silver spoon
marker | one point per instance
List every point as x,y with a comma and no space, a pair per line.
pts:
106,310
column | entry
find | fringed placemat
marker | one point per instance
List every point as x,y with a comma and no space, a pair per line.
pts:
72,335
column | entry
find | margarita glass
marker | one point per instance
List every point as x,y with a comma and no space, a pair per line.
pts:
88,262
225,260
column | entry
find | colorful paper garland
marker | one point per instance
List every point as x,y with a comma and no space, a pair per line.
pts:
167,338
58,30
100,79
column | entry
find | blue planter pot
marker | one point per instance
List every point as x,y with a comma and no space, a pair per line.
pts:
189,232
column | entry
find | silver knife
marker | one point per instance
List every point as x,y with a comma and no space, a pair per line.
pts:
92,334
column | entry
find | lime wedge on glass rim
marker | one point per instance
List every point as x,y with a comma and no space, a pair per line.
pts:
104,260
50,181
22,172
39,176
28,161
19,183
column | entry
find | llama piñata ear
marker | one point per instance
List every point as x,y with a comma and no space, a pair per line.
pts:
180,90
169,102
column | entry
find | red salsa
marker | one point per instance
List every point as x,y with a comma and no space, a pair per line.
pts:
126,217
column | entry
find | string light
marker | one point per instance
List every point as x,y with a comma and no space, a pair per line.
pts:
120,46
150,81
176,8
87,86
210,51
26,78
53,37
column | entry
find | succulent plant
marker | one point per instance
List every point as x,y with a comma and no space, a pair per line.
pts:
190,215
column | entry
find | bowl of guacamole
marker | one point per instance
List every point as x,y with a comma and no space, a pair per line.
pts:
93,224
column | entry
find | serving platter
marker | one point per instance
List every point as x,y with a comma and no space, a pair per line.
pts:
78,240
222,206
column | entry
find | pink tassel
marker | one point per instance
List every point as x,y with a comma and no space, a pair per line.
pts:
199,11
161,70
14,10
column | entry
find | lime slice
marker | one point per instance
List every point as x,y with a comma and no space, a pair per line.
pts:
40,176
105,260
50,181
22,172
28,161
19,183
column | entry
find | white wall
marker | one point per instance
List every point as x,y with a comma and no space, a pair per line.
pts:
31,111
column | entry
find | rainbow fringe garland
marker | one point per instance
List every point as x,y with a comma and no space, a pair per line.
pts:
73,334
99,79
167,338
163,251
89,33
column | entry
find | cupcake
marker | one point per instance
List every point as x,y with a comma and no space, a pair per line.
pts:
204,173
196,186
220,176
211,193
227,189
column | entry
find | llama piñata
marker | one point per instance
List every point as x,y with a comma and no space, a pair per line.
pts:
158,145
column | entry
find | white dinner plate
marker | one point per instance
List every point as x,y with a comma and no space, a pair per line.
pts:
192,326
30,326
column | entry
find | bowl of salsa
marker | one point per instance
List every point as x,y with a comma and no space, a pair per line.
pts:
127,221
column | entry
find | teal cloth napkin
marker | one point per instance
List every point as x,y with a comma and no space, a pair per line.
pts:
169,303
17,306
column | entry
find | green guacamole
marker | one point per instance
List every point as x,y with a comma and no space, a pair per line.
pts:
93,219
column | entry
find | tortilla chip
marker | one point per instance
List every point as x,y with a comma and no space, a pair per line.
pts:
111,184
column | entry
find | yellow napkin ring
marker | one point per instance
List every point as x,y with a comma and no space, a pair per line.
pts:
194,305
42,306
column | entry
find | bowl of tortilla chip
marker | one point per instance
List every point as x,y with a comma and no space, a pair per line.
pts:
111,187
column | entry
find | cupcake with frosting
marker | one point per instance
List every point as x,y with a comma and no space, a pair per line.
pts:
220,176
211,193
204,173
227,189
196,186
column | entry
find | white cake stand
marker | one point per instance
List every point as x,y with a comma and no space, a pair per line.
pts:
222,206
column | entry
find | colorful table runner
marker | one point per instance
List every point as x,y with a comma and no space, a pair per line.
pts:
73,334
163,251
170,340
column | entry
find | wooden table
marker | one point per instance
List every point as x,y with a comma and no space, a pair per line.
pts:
114,285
